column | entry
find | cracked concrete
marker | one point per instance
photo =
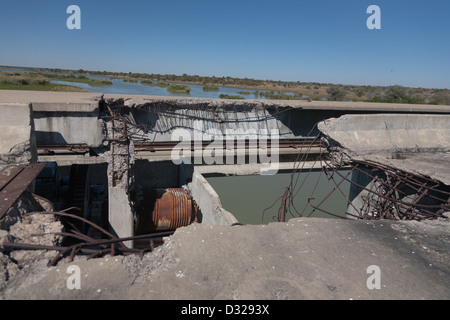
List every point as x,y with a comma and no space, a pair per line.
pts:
304,258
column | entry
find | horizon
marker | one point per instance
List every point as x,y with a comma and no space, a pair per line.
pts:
289,41
180,75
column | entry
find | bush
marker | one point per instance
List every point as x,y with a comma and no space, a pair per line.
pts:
227,96
40,82
396,93
152,84
441,97
179,88
336,93
23,82
210,88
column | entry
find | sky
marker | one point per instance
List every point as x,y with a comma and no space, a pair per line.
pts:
324,41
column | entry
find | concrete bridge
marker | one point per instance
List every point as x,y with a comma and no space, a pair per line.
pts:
88,129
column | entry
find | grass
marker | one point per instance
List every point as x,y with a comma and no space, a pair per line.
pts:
81,79
227,96
297,89
48,87
210,88
173,88
179,88
130,80
278,95
31,81
152,84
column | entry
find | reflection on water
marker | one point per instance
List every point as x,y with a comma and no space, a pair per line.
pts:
246,197
120,87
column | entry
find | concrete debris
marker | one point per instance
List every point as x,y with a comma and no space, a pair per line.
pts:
35,229
230,261
8,269
26,203
18,227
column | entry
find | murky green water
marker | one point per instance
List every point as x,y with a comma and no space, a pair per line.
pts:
246,197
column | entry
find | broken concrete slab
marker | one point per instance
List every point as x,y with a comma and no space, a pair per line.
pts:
17,134
387,133
434,165
298,104
414,143
209,203
304,258
393,147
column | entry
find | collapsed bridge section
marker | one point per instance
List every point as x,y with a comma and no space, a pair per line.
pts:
111,156
397,167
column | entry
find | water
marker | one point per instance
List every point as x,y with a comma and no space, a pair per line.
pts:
15,69
120,87
246,197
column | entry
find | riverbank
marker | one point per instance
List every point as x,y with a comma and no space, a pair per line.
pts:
13,80
273,89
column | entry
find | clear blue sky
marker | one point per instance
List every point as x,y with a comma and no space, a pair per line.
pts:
312,40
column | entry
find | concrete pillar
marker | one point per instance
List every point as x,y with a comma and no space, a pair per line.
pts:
120,177
120,214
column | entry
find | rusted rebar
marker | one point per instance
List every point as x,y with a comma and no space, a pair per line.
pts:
385,199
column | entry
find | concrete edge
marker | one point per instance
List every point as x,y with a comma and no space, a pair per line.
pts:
131,100
66,107
209,202
363,134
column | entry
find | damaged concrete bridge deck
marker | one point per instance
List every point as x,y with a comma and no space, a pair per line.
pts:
111,154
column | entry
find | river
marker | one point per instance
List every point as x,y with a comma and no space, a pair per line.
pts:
120,87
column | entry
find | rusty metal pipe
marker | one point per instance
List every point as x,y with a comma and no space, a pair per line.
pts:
165,209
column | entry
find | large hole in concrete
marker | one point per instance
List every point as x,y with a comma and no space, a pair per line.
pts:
115,165
256,199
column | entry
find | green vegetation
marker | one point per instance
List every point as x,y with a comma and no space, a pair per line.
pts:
179,88
31,81
80,79
278,95
210,88
244,92
227,96
398,94
130,80
273,89
336,93
158,84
